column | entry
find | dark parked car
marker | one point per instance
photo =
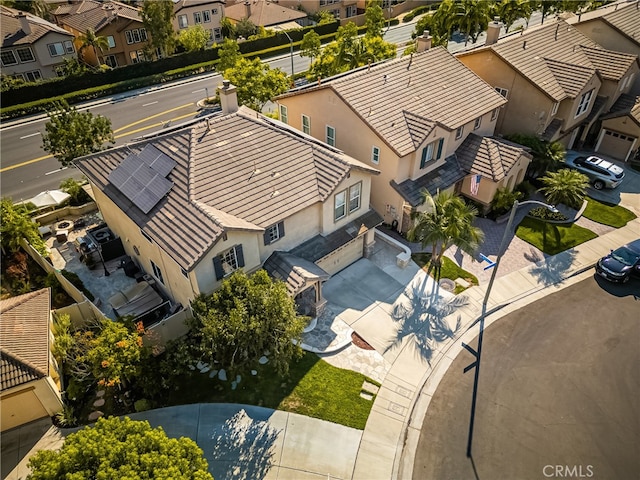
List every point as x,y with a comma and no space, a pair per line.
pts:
621,263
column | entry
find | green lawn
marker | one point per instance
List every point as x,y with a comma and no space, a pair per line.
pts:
450,269
612,215
314,388
551,238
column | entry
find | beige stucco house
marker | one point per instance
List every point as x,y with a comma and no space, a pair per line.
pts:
340,9
266,14
557,80
206,13
119,23
227,192
409,118
619,135
30,381
32,48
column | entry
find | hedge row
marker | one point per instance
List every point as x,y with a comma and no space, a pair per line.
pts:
31,92
419,11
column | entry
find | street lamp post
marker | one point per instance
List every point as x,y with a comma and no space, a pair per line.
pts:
477,353
291,54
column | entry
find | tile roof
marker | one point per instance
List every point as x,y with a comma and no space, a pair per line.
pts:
295,271
11,28
489,156
439,179
238,171
402,99
264,13
622,17
96,15
180,4
320,246
626,105
24,331
553,128
538,54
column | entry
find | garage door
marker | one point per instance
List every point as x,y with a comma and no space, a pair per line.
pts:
343,256
21,408
616,145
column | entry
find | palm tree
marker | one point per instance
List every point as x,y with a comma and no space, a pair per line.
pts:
444,21
547,156
474,18
565,186
91,39
447,221
511,10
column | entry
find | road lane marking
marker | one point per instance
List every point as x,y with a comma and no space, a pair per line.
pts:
152,116
45,157
31,135
56,171
197,91
147,104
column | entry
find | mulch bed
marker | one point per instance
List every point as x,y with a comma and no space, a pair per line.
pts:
359,342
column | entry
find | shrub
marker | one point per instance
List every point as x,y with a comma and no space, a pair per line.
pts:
142,405
408,17
76,282
544,214
503,200
526,188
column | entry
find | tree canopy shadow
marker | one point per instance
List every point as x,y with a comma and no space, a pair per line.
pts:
553,269
243,448
422,316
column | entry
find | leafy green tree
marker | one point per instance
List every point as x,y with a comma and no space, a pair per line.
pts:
72,67
70,134
256,82
74,188
228,28
511,10
378,49
374,19
446,221
547,156
246,317
121,448
246,28
193,38
116,353
229,54
473,18
91,40
322,17
156,17
16,224
565,186
310,45
443,22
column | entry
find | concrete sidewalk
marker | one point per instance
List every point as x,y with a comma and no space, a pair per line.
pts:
392,430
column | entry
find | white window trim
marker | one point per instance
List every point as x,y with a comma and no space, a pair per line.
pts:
284,114
306,129
585,102
352,188
329,127
503,91
375,155
183,22
15,58
459,132
342,205
157,272
555,107
477,122
232,256
494,114
28,49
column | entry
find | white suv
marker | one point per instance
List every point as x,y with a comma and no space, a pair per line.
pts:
601,173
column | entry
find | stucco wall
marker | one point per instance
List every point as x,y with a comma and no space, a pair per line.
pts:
609,38
29,402
328,223
298,228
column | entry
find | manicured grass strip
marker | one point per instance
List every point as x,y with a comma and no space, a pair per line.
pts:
612,215
551,238
313,388
449,269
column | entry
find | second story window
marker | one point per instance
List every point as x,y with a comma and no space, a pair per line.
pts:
331,136
284,115
375,155
431,152
197,17
354,197
25,55
273,233
502,91
136,35
60,48
306,124
8,58
157,272
554,109
228,262
494,114
206,16
182,21
459,132
339,205
585,101
477,123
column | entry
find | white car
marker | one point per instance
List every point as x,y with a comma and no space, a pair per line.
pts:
601,173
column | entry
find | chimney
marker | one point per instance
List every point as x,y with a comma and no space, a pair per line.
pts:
24,23
247,7
228,97
493,31
424,42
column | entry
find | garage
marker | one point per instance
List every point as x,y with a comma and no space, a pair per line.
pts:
20,408
343,256
616,144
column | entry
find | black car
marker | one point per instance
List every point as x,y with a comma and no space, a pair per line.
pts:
621,263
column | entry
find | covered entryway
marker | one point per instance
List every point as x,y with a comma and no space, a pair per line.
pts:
616,144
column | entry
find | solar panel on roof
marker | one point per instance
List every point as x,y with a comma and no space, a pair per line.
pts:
157,160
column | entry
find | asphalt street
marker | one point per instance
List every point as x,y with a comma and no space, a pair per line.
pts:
558,395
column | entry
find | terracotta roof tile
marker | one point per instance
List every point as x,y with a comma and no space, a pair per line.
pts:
611,65
12,33
237,171
626,105
264,13
489,156
627,20
295,271
96,15
24,332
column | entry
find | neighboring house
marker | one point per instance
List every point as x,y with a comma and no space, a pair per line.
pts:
556,79
32,48
206,13
229,191
619,135
340,9
409,118
119,23
266,14
30,382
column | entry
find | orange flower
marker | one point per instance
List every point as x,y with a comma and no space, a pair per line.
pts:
105,364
